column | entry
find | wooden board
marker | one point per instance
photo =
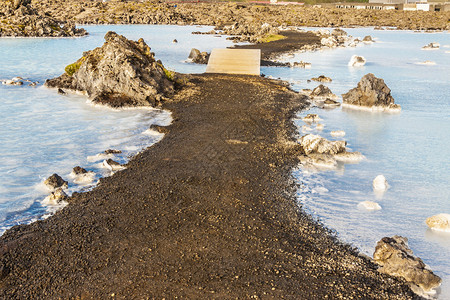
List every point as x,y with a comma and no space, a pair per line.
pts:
234,61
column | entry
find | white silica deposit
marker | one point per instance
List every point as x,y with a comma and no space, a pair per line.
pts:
369,205
380,183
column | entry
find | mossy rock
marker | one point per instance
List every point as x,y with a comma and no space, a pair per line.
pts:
72,68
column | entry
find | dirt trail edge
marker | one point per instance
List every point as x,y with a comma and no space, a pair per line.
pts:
208,212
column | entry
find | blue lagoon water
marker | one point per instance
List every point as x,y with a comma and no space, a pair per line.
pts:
42,132
410,149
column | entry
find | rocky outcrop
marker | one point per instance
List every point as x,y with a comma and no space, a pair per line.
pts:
370,92
120,73
439,222
357,61
55,181
112,165
81,176
19,19
198,57
397,259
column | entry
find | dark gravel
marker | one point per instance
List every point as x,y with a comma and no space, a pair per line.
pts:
208,212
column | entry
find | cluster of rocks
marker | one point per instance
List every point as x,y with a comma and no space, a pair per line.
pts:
57,186
18,81
19,19
249,22
198,57
120,73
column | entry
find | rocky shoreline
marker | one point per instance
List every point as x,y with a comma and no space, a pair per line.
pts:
255,23
209,211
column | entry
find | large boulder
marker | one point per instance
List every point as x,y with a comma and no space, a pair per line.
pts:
370,92
120,73
397,259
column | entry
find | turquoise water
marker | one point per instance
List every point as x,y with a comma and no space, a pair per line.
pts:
42,132
410,149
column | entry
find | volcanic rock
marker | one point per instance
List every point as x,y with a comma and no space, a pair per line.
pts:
322,92
370,92
397,259
198,57
55,181
120,73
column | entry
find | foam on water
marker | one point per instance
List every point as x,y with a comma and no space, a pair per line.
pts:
410,147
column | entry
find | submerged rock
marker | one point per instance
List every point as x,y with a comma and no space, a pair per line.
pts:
369,205
336,133
397,259
301,64
112,151
120,73
322,78
370,92
311,118
357,61
368,39
380,183
55,181
78,170
112,165
431,46
440,222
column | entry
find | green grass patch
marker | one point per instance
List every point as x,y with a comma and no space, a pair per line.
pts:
72,68
169,74
271,38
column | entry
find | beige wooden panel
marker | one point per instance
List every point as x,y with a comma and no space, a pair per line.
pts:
234,61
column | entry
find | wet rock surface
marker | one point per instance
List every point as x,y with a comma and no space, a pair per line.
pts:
370,92
55,181
397,259
198,57
196,215
120,73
